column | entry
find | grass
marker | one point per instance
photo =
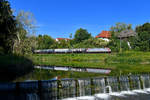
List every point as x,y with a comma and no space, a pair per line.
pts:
126,62
121,64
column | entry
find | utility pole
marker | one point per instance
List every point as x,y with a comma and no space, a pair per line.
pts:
120,45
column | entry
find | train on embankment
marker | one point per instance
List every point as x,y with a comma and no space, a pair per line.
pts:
77,50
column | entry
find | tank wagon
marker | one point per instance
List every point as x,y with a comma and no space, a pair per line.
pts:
77,50
98,50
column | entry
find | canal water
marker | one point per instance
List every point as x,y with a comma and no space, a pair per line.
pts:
78,69
133,87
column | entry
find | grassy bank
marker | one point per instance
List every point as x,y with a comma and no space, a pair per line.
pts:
120,63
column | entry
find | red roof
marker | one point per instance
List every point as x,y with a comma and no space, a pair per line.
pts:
104,34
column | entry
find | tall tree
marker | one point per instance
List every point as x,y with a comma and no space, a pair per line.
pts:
7,25
142,40
81,34
144,27
26,40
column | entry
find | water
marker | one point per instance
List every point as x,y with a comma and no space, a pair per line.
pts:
78,69
133,87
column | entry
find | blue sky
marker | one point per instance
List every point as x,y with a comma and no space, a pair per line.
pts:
59,18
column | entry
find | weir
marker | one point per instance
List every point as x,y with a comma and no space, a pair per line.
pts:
76,88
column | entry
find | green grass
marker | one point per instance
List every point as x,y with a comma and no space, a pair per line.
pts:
120,63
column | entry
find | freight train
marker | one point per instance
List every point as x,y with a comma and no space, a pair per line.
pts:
77,50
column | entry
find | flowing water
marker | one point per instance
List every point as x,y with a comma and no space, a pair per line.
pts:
133,87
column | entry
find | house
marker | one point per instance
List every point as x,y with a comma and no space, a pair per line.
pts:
124,35
104,35
59,39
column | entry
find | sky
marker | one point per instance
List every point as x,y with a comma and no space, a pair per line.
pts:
59,18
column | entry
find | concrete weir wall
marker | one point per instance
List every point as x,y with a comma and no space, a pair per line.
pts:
72,88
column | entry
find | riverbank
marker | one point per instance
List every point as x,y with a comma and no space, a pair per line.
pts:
119,63
13,66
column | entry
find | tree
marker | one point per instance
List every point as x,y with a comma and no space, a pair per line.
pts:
117,43
142,40
119,27
45,41
144,27
81,34
8,27
26,41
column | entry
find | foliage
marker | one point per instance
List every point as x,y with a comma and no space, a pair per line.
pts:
115,30
142,40
91,43
26,41
116,44
8,27
61,44
144,27
81,34
45,41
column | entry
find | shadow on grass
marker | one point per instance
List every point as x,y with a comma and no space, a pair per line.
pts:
12,67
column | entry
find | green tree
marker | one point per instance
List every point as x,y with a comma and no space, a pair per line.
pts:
8,26
81,34
45,41
142,40
144,27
